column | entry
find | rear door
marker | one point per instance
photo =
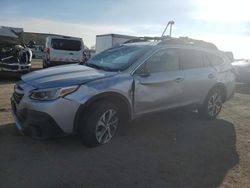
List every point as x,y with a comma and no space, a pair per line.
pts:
199,75
158,83
66,50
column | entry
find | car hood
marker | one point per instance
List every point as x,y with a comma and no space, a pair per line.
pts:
62,76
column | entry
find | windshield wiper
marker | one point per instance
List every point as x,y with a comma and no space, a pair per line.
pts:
93,66
101,67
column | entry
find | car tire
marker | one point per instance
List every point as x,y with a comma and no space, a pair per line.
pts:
44,65
212,104
99,125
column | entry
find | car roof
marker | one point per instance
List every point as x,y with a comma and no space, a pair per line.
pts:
176,42
146,43
64,37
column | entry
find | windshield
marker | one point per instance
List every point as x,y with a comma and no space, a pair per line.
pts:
119,58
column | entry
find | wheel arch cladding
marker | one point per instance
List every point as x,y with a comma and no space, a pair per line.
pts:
118,99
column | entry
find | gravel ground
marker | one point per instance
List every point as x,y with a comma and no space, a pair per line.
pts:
170,149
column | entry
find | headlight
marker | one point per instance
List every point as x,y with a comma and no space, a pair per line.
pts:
51,94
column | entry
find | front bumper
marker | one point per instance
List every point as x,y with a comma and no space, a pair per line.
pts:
42,121
14,67
53,116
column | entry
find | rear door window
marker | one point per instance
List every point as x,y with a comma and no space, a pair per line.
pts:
65,44
191,59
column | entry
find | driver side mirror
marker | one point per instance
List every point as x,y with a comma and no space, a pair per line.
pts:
143,71
145,74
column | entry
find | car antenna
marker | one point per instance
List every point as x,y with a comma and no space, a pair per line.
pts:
171,23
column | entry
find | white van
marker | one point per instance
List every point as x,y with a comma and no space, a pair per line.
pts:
61,50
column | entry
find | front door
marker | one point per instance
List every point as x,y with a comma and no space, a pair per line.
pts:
158,83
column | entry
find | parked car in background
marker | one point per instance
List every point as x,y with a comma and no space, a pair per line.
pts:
61,50
123,83
37,51
14,55
242,69
230,56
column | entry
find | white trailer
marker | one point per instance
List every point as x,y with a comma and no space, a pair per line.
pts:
107,41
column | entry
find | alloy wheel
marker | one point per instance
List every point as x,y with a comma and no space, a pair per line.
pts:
214,104
106,126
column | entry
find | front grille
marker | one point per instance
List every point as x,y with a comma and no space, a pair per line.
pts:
10,60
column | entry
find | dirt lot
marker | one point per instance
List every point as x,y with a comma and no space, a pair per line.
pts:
171,149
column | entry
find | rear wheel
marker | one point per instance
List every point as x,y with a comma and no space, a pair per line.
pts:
99,124
212,105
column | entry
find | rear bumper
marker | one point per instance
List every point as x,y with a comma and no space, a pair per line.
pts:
231,95
231,86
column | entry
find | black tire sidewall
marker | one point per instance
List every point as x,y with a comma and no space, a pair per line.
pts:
87,126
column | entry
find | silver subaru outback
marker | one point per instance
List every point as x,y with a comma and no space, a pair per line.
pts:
122,83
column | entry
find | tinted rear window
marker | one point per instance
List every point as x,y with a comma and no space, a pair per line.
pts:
64,44
215,60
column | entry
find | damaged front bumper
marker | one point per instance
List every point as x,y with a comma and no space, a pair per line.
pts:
14,67
25,119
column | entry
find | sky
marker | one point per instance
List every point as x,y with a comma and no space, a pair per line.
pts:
226,23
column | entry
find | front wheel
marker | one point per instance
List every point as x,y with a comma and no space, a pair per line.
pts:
99,124
212,104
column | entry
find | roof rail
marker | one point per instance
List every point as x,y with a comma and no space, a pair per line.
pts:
146,39
171,40
189,41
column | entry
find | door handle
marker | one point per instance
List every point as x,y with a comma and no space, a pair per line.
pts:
71,54
180,79
211,76
144,75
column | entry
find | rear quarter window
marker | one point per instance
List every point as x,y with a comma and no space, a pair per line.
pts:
65,44
215,60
